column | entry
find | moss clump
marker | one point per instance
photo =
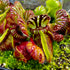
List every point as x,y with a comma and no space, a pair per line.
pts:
61,59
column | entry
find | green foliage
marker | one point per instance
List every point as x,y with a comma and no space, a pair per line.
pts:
52,6
45,45
3,15
4,35
40,10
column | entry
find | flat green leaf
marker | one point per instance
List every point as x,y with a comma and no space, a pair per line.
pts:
2,16
4,35
45,45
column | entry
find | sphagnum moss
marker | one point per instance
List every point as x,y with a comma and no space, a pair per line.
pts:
61,59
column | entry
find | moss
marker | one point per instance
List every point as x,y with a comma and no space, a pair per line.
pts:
60,59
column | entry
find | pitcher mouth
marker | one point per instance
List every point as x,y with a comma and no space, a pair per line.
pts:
44,29
38,22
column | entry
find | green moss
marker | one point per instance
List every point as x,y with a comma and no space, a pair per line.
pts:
60,59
